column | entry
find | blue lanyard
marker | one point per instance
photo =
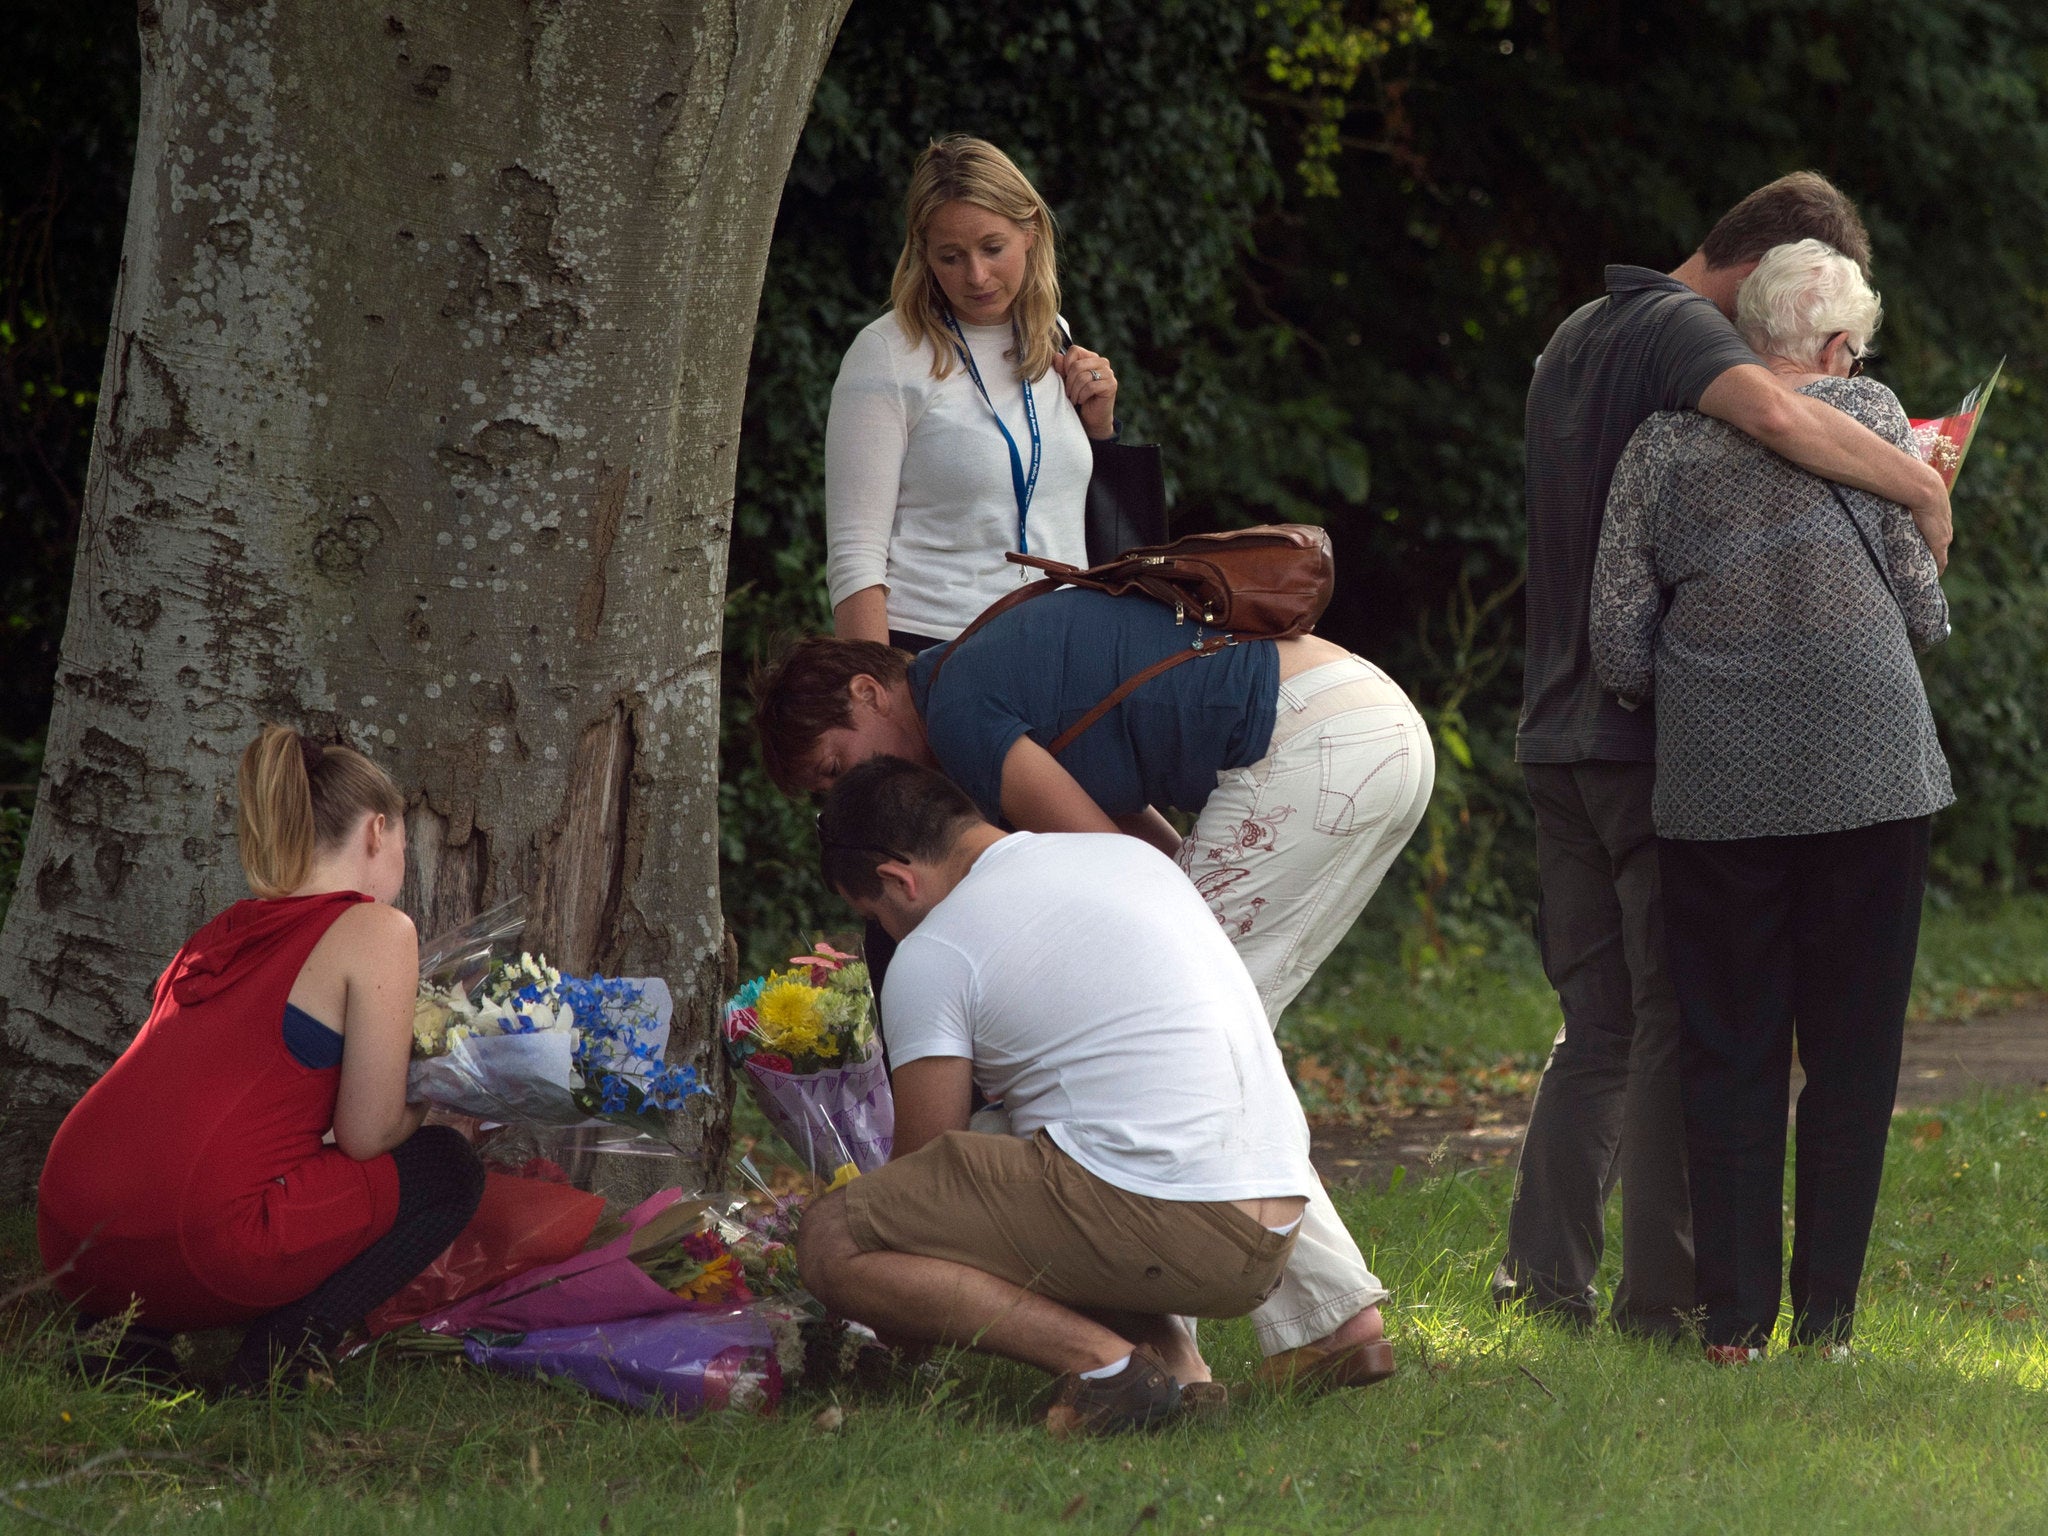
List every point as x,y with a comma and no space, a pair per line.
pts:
1021,483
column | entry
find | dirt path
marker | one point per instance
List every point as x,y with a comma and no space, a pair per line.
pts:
1943,1062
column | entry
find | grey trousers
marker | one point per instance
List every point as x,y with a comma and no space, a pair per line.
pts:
1608,1108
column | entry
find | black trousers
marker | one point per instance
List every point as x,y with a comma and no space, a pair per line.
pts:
440,1182
1607,1110
1771,940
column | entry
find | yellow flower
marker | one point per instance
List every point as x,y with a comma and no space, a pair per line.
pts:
714,1282
791,1020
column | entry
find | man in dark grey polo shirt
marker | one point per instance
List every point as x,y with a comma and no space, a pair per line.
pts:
1608,1106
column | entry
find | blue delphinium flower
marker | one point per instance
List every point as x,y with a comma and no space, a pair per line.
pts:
669,1086
614,1095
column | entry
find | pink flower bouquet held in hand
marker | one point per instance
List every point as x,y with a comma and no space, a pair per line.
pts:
1944,441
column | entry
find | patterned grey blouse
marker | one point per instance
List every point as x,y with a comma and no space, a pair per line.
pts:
1780,633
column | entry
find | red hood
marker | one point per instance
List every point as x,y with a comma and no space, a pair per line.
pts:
237,940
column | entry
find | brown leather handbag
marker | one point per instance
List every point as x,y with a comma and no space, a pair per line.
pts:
1267,583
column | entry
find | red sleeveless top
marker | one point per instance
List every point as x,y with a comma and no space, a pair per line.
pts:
192,1176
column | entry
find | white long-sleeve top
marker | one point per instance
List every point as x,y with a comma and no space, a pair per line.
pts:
918,494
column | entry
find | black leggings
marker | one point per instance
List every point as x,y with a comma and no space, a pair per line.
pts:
440,1182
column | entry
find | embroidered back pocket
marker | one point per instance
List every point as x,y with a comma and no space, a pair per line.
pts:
1359,788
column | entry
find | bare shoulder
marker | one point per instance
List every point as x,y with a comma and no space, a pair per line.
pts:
376,933
379,920
369,944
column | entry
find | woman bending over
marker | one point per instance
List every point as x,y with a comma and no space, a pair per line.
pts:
192,1181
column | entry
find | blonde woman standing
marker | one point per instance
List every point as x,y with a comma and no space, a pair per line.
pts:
960,428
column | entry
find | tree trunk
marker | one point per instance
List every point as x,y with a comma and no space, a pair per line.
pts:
416,431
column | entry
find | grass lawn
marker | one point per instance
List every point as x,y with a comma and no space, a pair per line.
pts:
1495,1424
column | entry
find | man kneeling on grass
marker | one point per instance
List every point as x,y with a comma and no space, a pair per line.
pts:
1160,1164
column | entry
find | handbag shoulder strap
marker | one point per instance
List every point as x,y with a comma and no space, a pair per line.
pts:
1131,685
1116,696
994,610
1883,574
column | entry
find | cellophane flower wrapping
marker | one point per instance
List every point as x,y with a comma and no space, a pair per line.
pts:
804,1041
500,1034
671,1253
528,1217
685,1304
1944,441
685,1362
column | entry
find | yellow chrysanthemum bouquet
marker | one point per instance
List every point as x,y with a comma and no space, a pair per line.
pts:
803,1040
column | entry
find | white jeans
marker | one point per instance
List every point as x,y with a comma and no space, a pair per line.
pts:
1287,852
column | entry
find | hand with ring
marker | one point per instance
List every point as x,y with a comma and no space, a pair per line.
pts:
1091,385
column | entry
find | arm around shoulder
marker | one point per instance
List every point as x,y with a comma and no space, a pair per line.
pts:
1832,444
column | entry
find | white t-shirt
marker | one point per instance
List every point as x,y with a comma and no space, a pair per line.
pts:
1089,984
918,494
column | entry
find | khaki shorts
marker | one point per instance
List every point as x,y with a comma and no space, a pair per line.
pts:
1025,1211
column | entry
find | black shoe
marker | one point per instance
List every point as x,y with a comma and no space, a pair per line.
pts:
291,1353
110,1354
1581,1311
1653,1328
1141,1395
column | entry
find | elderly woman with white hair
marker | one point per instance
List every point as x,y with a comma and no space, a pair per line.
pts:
1775,617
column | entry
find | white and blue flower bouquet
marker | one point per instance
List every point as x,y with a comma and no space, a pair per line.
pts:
506,1037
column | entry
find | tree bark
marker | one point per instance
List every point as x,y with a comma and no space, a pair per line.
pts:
417,431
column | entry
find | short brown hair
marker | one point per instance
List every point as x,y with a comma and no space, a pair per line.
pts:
296,797
1802,206
802,694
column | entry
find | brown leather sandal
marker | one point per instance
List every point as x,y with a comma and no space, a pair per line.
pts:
1206,1402
1313,1368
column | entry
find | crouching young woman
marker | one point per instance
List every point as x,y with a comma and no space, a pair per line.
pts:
193,1182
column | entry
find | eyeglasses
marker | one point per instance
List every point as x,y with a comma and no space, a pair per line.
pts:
1857,360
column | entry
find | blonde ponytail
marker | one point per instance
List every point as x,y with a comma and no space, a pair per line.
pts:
297,798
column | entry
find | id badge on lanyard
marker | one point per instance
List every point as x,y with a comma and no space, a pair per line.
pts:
1022,482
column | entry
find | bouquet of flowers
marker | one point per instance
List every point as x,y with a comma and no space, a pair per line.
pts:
515,1040
1944,441
683,1363
670,1253
528,1216
684,1304
804,1040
